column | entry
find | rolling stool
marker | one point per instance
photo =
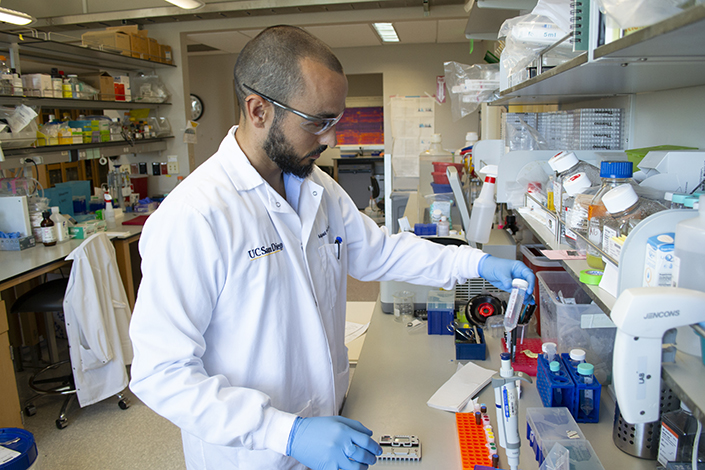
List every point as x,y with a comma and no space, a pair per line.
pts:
49,298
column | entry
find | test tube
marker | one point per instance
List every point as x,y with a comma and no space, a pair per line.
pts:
557,392
516,301
586,399
549,351
577,356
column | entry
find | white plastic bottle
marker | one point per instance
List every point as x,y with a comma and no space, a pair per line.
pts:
443,227
483,208
109,212
61,224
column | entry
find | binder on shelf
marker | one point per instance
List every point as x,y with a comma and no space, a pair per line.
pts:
580,24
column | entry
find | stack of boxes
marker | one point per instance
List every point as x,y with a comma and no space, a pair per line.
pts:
129,41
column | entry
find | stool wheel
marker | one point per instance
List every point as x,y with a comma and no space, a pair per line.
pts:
124,404
30,410
61,423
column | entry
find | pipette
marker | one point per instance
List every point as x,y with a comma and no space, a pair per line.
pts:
507,404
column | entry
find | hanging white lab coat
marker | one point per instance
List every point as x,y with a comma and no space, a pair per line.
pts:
97,316
239,323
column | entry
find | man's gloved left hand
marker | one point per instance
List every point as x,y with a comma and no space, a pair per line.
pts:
500,272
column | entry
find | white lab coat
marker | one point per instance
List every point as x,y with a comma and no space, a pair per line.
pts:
97,316
240,317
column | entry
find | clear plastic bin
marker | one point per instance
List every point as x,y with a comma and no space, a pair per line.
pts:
575,322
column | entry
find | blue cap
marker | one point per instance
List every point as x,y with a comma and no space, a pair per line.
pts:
505,356
555,366
616,169
585,369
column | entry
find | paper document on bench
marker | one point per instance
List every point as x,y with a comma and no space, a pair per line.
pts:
461,387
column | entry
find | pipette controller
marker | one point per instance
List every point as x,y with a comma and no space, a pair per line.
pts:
507,406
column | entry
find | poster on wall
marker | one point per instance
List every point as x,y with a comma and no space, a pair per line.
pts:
361,126
412,126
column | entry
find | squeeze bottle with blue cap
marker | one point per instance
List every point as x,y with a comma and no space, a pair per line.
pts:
613,174
483,208
515,303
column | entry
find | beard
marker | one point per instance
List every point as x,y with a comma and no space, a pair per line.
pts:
281,152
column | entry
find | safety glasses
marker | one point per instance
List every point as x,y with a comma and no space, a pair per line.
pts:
313,124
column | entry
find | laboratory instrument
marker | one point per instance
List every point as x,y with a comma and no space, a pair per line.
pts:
507,404
399,447
483,208
642,316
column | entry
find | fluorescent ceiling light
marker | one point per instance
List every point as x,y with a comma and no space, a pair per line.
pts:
386,32
14,17
187,4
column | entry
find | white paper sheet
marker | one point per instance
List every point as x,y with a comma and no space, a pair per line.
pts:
460,388
354,330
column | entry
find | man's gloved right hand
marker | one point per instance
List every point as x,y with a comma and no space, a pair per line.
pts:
332,443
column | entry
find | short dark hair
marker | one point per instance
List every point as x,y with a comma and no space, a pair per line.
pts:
270,62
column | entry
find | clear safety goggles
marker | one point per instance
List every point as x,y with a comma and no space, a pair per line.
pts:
313,124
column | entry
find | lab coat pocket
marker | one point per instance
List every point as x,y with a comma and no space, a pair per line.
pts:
89,361
332,257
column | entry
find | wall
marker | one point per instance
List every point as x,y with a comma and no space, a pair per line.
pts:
406,70
211,78
670,117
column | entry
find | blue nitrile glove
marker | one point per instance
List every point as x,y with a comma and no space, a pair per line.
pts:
332,443
500,272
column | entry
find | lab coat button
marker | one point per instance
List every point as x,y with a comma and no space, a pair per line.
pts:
315,193
279,204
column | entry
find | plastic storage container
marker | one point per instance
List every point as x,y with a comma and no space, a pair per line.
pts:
22,442
537,262
546,425
565,307
441,312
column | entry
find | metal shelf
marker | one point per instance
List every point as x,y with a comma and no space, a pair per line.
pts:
47,51
663,56
66,103
63,153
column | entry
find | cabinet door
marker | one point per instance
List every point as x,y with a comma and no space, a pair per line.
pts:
10,410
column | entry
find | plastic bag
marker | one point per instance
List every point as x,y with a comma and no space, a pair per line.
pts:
469,86
149,88
525,37
558,11
521,136
636,13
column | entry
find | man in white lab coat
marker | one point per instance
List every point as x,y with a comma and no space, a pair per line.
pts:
238,329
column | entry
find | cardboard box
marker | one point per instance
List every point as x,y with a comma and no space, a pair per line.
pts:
128,29
166,54
140,46
103,82
658,265
113,41
154,52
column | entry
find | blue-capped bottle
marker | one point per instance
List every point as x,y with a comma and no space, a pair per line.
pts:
586,399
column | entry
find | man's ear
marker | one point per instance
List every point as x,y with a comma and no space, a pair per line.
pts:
257,110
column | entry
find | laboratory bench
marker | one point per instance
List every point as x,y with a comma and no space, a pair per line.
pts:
398,371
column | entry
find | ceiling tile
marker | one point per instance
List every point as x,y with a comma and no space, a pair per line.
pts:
345,35
452,30
416,32
227,41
